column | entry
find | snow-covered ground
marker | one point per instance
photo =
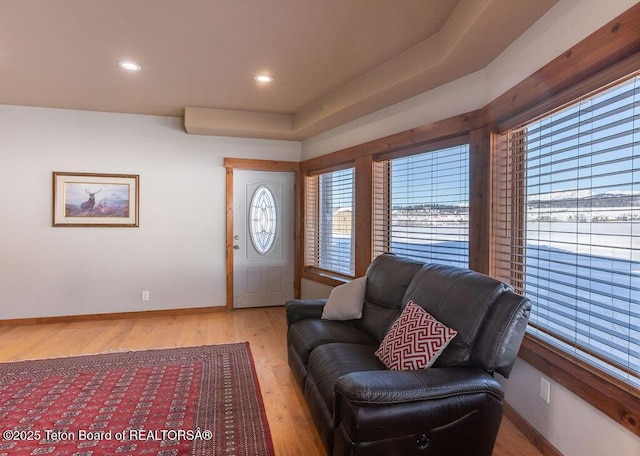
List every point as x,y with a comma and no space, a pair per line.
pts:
620,240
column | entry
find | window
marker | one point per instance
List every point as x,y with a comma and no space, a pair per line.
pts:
330,221
567,225
422,206
262,219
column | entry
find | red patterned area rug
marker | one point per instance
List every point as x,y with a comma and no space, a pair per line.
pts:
185,401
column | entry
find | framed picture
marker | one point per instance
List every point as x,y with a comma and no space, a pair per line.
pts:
86,199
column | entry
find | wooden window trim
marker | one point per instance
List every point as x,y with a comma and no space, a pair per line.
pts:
608,54
363,158
421,148
363,240
480,199
416,138
323,276
313,272
380,226
331,169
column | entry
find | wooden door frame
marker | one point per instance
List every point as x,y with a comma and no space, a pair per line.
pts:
230,165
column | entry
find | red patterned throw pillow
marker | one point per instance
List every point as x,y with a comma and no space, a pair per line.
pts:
414,341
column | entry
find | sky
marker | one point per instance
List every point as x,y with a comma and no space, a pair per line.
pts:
78,193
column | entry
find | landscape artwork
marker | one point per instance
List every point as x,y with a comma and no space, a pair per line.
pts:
87,199
96,200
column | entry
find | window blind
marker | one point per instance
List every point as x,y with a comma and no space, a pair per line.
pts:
421,206
566,225
329,221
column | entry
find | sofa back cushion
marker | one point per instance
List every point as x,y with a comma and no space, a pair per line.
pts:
388,277
498,344
459,298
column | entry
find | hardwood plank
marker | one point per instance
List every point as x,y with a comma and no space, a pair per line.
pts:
512,442
264,328
528,432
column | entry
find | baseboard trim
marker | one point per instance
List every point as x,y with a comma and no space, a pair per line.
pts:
110,316
537,439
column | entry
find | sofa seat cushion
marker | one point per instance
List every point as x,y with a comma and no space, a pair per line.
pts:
305,335
329,362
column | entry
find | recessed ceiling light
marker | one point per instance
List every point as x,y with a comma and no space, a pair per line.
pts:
129,66
263,78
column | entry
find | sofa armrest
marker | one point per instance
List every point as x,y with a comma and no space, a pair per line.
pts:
299,309
439,411
393,387
447,410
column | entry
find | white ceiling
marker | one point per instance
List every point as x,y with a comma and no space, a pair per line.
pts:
332,60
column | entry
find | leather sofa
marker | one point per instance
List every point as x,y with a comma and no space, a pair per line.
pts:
452,408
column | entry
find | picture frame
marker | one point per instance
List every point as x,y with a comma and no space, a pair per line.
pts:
76,202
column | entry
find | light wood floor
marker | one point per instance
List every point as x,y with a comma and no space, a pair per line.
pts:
265,329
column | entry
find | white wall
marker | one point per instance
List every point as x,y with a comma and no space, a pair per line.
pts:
177,253
568,422
572,425
314,290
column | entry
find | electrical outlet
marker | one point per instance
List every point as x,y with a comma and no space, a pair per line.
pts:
545,390
145,295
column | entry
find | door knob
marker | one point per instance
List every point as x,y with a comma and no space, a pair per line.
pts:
236,247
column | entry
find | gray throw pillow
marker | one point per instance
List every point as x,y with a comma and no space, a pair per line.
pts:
346,301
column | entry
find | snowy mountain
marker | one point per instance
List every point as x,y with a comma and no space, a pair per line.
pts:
584,199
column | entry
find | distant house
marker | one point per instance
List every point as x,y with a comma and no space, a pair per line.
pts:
343,221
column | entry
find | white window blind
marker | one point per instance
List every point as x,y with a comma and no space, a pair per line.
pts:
567,225
330,218
421,206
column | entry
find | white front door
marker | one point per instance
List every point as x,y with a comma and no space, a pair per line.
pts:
263,218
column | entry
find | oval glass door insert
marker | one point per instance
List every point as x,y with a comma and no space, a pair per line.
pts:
262,219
